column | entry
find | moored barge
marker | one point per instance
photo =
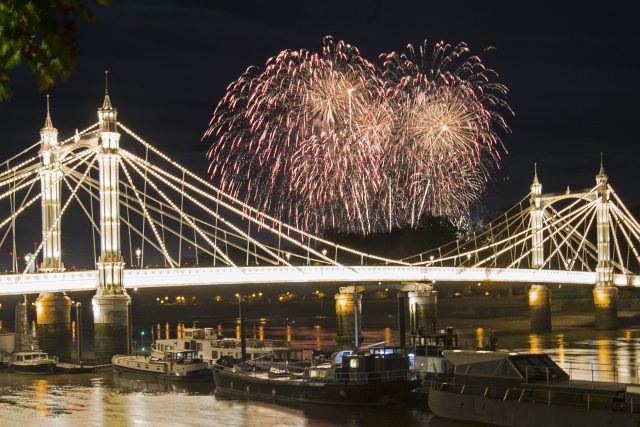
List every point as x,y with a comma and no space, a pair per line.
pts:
379,377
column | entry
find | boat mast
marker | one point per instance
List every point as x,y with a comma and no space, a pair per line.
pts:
243,338
356,306
23,337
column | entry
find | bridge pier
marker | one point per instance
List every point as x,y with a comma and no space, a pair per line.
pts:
346,316
605,301
53,319
540,308
111,325
423,309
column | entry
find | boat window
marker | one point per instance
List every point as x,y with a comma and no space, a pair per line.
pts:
19,358
199,346
354,363
506,370
483,368
214,355
538,367
187,345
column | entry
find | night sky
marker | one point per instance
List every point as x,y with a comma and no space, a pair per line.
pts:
572,70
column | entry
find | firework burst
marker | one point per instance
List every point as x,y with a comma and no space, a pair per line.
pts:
327,140
305,137
448,118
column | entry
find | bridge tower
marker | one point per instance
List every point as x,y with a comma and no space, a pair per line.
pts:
539,295
53,309
111,303
605,294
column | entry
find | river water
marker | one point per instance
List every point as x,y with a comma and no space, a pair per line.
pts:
107,399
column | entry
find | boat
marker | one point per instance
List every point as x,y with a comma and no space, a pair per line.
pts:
427,361
210,347
522,389
32,362
380,376
427,358
176,365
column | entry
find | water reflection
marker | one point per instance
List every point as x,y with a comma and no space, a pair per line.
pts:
387,335
560,346
534,343
316,330
107,399
479,338
40,395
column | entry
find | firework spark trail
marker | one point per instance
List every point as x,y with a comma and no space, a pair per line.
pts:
328,141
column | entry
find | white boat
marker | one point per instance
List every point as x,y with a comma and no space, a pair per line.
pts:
177,365
32,362
209,347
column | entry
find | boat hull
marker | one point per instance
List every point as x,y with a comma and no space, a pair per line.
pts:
196,375
480,409
39,368
234,385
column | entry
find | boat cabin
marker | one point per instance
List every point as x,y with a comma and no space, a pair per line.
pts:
499,370
210,347
32,356
181,356
377,365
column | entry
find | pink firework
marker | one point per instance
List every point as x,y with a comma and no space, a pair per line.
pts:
305,137
326,140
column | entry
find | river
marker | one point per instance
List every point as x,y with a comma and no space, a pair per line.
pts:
107,399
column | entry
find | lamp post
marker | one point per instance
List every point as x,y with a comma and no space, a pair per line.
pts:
138,255
142,341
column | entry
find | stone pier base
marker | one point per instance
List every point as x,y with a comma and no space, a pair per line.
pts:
111,325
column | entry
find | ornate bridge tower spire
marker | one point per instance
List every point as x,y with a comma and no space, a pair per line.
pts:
539,295
537,214
50,186
53,310
605,294
111,302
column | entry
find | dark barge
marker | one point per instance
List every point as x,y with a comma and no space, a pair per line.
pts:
379,377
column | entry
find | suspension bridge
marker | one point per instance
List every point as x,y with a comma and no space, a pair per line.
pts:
151,222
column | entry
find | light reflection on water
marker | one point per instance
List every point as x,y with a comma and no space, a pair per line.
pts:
107,399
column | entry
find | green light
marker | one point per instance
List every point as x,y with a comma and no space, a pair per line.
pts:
142,333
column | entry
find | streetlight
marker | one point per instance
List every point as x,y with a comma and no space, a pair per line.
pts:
138,255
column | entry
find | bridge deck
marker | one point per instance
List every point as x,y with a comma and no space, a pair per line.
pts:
152,278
